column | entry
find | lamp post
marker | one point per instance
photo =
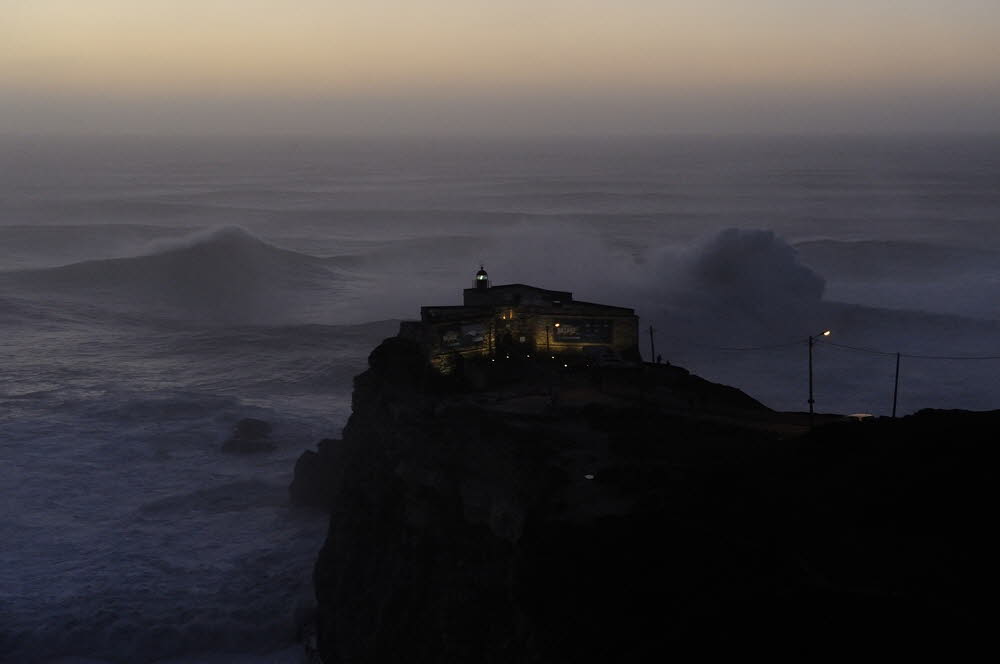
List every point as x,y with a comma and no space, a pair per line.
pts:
548,353
812,340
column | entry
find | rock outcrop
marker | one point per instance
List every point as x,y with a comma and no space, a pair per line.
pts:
561,519
249,435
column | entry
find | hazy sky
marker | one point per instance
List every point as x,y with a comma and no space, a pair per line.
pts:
502,66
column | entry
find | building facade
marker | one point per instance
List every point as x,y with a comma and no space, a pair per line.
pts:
517,320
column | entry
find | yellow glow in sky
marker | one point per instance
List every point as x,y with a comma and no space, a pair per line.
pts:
627,48
266,45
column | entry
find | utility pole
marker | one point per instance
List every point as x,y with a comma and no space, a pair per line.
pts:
895,387
652,346
811,400
812,340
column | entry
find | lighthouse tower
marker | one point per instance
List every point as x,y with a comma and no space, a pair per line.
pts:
482,281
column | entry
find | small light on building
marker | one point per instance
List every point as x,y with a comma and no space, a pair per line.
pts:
566,365
588,477
556,325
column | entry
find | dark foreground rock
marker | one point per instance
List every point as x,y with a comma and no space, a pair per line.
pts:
526,524
316,475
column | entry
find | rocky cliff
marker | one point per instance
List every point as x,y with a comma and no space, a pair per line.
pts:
633,517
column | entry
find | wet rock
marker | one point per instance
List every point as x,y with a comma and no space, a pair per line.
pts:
249,435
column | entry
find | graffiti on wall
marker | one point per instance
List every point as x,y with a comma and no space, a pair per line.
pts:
463,336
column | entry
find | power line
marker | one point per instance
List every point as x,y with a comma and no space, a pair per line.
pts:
952,357
688,341
857,349
812,340
753,348
913,355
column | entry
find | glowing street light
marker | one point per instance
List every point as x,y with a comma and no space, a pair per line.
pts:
812,341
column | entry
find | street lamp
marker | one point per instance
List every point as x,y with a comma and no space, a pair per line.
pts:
812,340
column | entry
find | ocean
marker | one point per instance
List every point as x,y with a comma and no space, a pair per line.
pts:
155,291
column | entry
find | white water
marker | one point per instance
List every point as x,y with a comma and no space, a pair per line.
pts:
154,292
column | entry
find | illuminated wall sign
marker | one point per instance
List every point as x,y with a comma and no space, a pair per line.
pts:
594,331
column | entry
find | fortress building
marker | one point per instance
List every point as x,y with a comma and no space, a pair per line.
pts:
516,320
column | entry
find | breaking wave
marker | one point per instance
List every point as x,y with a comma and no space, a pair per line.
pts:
753,265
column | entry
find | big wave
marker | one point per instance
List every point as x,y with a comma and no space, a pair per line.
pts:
224,273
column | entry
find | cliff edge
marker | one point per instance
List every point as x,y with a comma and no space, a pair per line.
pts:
590,516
